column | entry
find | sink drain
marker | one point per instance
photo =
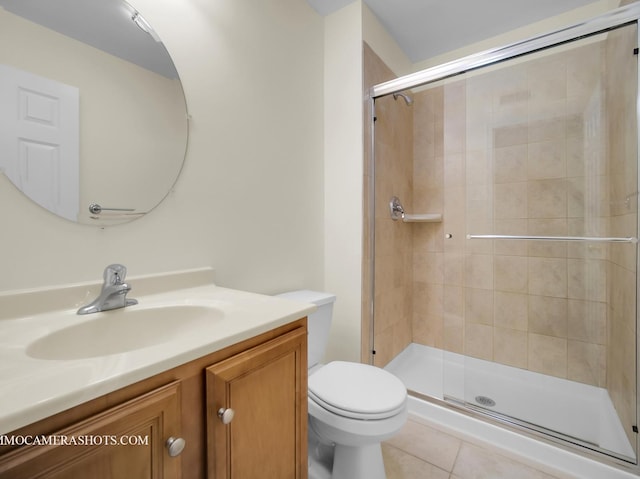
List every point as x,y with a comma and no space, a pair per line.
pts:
485,401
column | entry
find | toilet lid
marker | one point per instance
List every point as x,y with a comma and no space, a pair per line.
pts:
357,390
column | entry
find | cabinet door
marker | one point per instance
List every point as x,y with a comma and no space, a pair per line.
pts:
266,387
127,441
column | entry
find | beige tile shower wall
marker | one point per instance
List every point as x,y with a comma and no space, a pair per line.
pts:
519,151
393,241
623,174
435,303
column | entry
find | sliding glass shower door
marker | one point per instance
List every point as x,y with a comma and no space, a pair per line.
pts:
549,243
526,286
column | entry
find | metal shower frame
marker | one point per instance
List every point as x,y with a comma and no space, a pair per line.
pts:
619,17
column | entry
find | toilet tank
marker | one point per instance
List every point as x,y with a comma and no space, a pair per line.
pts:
319,322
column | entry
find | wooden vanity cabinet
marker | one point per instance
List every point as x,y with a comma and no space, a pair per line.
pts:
263,379
265,390
125,441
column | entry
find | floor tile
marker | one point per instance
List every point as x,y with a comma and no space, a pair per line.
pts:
401,465
474,462
428,444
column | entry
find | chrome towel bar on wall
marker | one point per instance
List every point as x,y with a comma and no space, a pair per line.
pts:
96,209
595,239
99,213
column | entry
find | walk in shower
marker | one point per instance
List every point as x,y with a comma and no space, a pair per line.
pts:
502,199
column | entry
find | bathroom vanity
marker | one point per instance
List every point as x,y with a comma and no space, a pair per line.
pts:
230,406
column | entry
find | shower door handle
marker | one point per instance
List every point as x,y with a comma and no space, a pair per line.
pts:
594,239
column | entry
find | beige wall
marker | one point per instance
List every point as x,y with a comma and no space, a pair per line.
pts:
343,170
249,201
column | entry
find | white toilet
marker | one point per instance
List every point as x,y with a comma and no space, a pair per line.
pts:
353,407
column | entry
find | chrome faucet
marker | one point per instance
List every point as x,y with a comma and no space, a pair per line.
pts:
114,291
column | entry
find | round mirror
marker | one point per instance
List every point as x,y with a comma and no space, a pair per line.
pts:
93,119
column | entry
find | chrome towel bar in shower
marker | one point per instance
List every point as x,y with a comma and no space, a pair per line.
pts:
595,239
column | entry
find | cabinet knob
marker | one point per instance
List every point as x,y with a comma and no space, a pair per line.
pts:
226,415
175,446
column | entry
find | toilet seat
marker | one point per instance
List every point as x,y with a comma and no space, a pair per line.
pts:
357,391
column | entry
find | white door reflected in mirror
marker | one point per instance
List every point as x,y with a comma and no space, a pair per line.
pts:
39,151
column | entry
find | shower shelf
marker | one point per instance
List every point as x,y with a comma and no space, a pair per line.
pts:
424,218
397,212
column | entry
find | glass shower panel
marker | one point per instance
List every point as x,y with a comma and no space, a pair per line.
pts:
540,193
407,279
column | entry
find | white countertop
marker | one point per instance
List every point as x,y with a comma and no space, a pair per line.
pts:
32,389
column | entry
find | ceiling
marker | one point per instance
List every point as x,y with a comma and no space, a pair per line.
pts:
426,28
422,28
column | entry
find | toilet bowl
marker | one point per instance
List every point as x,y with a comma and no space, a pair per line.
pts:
356,407
352,407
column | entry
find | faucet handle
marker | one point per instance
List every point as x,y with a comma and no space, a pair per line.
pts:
114,274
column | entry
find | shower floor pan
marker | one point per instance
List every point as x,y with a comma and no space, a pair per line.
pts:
568,410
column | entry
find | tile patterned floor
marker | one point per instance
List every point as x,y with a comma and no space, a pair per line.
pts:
422,452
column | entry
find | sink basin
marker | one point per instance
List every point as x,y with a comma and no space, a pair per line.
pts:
122,330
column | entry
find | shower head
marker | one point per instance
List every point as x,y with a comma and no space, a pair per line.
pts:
407,99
